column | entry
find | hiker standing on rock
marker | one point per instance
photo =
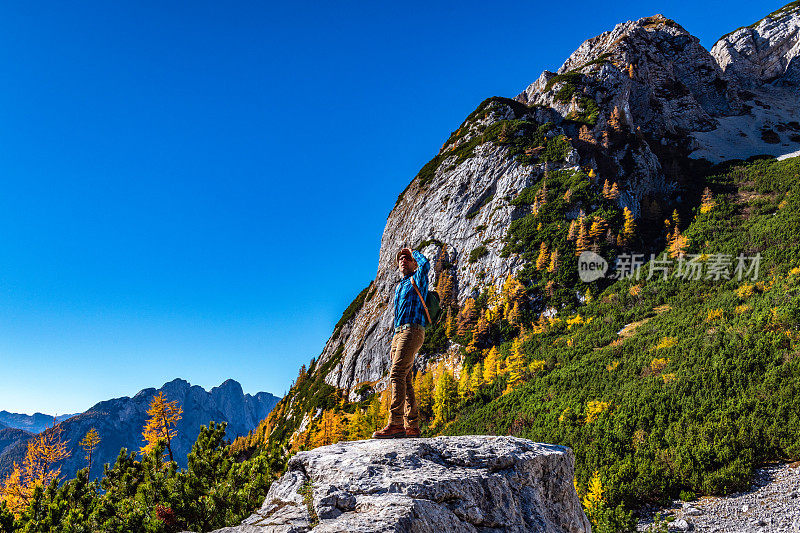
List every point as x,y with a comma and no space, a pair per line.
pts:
409,334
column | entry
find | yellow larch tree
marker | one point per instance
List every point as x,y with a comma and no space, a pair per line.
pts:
678,244
43,453
445,397
613,193
707,201
629,228
163,416
544,255
615,120
89,445
516,365
472,345
490,366
581,244
444,287
515,315
599,227
467,316
463,383
593,501
585,135
476,378
553,266
450,324
483,329
571,234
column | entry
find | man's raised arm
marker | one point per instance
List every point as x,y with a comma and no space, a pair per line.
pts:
421,274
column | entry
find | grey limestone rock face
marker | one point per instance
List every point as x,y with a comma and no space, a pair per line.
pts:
764,52
444,484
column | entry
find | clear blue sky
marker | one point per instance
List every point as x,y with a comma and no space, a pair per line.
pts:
198,189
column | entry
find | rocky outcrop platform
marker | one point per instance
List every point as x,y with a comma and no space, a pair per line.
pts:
442,484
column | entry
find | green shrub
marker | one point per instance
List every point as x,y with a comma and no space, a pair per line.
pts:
477,253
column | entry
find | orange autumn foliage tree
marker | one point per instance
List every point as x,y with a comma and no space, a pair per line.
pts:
38,469
163,417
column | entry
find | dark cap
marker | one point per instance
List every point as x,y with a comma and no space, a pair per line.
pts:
404,251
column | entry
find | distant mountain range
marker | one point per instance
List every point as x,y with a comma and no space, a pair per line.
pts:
35,423
119,422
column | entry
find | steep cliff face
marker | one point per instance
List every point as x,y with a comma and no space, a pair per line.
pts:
639,105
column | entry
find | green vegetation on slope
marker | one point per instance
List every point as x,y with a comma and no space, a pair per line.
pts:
706,387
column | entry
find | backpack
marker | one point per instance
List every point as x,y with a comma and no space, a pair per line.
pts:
433,311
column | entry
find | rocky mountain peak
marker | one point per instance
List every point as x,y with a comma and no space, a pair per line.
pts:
643,105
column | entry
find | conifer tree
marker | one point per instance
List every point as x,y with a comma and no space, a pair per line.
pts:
463,383
357,428
476,378
43,453
516,364
676,219
707,201
630,71
549,288
301,375
615,120
444,287
450,327
629,229
613,193
482,330
427,381
467,316
373,414
163,417
553,266
571,234
472,345
386,403
445,398
678,244
585,135
515,316
581,244
89,444
490,366
606,189
544,255
598,230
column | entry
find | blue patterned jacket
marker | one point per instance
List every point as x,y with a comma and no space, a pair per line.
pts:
407,305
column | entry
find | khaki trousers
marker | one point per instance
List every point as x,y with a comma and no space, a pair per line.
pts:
405,346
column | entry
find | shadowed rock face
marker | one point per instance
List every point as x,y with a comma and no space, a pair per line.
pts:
443,484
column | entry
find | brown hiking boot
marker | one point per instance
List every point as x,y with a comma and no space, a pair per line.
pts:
390,432
412,432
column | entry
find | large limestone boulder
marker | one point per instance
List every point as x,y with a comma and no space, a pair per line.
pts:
442,484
